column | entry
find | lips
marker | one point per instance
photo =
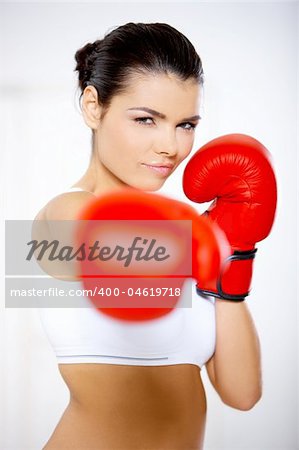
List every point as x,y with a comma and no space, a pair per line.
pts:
161,168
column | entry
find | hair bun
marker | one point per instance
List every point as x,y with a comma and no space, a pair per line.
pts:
85,57
82,56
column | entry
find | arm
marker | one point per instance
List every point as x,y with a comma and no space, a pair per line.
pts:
235,171
235,368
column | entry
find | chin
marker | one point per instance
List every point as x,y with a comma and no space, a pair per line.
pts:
150,186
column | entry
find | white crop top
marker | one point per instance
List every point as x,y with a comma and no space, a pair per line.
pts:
186,335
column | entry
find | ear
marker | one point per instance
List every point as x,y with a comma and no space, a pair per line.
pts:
91,108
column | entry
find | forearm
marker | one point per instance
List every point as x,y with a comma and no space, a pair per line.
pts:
237,360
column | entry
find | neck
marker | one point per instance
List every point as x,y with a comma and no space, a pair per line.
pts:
98,179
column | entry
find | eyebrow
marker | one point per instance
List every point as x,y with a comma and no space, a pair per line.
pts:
158,114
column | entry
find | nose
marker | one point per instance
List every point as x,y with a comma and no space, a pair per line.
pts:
167,145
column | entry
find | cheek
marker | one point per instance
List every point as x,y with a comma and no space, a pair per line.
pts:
127,137
185,147
121,146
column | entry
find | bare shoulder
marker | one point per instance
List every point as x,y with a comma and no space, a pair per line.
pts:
48,228
65,206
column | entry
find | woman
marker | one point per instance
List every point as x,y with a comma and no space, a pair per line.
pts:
141,91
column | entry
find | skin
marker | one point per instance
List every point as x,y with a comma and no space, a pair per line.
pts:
164,405
138,136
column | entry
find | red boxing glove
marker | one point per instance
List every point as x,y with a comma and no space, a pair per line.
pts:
235,171
148,220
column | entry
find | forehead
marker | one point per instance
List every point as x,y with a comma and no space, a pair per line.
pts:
165,93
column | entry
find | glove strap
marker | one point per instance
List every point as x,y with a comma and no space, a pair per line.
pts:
234,281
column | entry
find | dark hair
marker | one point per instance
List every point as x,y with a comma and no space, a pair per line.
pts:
107,64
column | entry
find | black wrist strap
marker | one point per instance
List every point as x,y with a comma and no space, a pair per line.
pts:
236,256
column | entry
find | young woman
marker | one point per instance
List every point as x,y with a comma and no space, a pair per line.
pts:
141,91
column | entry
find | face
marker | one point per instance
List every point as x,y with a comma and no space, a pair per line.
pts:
147,131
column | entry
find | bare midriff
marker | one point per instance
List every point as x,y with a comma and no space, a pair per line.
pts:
119,407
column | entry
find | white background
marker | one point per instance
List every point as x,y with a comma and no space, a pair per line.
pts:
250,57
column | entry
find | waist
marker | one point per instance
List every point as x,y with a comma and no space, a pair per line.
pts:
91,384
117,405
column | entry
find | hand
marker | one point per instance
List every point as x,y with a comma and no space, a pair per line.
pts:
143,241
234,171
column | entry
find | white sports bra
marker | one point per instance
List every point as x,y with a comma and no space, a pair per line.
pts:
86,335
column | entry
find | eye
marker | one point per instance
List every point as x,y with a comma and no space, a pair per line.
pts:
144,120
188,126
